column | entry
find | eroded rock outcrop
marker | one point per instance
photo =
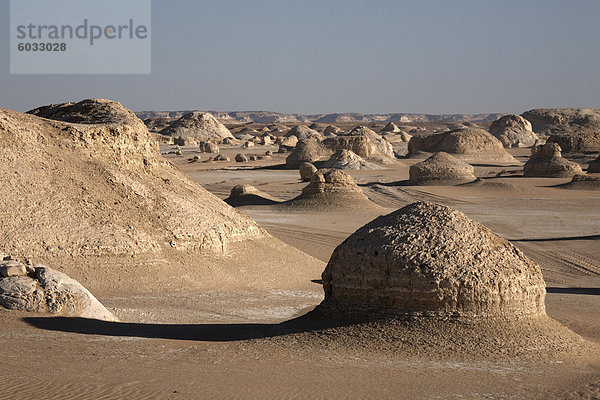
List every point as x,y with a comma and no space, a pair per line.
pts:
513,131
199,125
39,289
547,161
432,261
441,169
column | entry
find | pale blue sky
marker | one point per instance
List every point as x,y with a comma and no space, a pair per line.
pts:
462,56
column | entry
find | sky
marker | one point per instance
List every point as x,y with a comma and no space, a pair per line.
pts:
325,56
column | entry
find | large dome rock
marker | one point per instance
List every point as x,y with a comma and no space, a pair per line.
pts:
432,261
468,143
441,169
513,131
199,125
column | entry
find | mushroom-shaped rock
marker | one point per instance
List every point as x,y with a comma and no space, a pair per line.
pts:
430,260
333,188
44,290
441,169
199,125
547,161
513,131
306,171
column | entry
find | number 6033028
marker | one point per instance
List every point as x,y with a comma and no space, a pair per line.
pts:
42,47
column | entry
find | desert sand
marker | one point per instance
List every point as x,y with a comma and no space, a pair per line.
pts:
181,336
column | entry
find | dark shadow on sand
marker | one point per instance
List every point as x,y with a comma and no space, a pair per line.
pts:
574,290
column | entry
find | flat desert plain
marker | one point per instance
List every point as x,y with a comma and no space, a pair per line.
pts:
236,343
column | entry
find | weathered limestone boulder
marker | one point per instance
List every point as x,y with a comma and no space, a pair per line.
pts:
307,150
547,161
441,169
43,290
306,171
241,157
513,131
209,147
287,144
347,159
468,143
302,132
432,261
198,125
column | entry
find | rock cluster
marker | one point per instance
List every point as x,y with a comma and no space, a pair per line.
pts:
347,159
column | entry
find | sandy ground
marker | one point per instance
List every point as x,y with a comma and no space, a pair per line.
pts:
182,344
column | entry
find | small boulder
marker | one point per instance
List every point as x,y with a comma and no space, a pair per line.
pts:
306,171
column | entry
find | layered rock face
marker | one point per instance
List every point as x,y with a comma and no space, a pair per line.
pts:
513,131
198,125
40,289
467,143
430,260
547,161
441,169
575,130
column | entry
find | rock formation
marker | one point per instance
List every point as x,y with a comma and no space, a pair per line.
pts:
391,127
332,188
513,131
547,161
468,144
306,171
583,182
575,130
332,130
307,150
247,195
302,132
199,125
383,145
287,144
241,158
441,169
209,147
97,198
347,159
431,261
37,288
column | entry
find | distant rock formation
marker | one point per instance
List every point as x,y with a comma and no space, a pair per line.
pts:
467,143
575,130
547,161
199,125
347,159
307,150
513,131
